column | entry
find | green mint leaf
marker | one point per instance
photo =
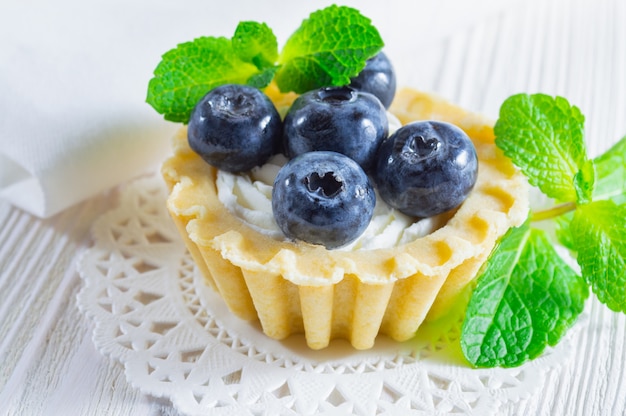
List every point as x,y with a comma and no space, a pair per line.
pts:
584,182
186,73
263,78
525,299
329,48
563,231
611,174
544,136
255,43
599,237
610,170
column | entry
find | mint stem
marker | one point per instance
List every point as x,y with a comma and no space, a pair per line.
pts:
553,212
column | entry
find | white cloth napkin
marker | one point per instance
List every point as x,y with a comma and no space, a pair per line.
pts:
73,78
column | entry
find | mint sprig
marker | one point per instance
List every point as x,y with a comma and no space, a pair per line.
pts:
599,238
544,136
329,48
526,299
526,296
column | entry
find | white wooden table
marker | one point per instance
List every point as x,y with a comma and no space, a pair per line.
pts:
573,48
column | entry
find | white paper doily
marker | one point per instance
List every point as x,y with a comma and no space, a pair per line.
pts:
177,340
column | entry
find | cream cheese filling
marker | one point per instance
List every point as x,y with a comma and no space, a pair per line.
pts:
249,197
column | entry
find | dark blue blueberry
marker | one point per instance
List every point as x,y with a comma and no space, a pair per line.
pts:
323,198
235,128
338,119
378,78
426,168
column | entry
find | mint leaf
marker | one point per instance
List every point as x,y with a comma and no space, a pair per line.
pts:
611,174
610,169
255,43
525,299
544,136
563,232
263,78
599,237
186,73
584,182
329,48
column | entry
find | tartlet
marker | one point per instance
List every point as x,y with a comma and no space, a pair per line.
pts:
295,287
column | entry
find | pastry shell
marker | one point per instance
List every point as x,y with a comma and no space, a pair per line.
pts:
294,287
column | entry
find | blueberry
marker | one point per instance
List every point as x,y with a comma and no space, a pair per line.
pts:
323,198
426,168
378,78
235,128
338,119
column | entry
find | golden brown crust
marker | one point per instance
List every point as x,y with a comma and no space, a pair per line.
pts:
299,287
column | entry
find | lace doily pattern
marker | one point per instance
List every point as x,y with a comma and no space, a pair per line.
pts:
177,340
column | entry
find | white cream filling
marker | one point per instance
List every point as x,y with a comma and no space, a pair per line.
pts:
249,197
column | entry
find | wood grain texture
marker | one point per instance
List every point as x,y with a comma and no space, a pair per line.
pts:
573,48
